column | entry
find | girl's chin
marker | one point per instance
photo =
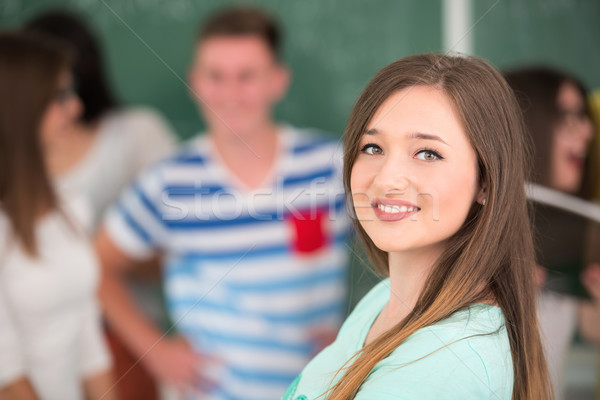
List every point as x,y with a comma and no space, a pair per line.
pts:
384,244
570,185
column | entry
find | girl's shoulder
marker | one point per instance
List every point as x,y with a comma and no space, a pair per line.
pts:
467,355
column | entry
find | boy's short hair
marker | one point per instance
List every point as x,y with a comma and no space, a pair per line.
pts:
243,21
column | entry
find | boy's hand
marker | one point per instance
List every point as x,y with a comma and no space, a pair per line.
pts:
173,362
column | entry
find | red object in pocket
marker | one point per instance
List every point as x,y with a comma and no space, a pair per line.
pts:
308,229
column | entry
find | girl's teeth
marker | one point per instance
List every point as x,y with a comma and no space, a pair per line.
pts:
395,209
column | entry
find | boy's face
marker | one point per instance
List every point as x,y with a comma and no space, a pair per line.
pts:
237,81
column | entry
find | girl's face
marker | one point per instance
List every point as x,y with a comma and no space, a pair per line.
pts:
61,114
415,177
572,138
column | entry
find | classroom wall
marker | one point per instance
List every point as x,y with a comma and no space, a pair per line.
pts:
333,46
562,33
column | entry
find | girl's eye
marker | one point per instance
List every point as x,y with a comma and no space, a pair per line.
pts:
429,155
371,149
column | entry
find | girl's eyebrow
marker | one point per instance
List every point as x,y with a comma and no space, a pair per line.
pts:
426,136
416,135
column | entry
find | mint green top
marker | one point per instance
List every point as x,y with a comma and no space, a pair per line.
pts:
455,364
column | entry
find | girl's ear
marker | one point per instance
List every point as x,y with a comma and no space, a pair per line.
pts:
482,195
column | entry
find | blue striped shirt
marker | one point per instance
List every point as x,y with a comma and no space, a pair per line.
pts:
251,276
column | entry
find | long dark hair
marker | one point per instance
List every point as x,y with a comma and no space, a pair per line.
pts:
30,67
88,69
491,256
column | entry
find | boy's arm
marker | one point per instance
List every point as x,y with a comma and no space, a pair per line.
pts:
170,361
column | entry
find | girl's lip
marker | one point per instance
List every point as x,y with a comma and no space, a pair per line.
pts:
577,162
401,209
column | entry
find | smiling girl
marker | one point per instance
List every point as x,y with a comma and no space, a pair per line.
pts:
435,162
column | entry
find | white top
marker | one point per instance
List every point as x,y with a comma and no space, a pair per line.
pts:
557,315
49,318
128,141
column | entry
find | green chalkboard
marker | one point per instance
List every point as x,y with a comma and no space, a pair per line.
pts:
332,46
561,33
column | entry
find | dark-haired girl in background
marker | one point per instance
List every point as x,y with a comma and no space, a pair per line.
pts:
109,145
559,122
99,156
51,342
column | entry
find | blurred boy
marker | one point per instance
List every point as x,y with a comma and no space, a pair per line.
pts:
251,220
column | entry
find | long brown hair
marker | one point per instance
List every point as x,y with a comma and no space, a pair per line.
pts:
30,67
491,256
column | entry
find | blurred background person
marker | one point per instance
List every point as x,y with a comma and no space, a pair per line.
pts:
558,119
51,342
99,156
251,217
110,143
